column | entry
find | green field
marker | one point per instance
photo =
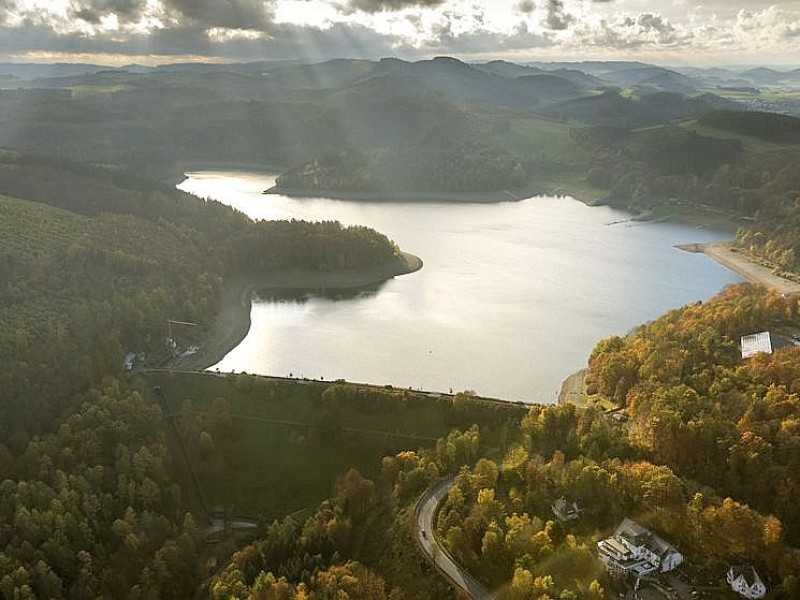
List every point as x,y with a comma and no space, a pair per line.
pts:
750,144
531,136
286,445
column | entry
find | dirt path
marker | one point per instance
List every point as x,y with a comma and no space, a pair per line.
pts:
233,320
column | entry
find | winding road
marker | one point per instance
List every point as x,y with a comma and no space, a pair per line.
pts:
424,514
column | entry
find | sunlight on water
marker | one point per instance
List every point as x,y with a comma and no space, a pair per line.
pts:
512,298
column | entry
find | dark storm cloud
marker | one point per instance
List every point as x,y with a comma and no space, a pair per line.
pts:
556,17
196,14
376,6
285,41
92,11
231,14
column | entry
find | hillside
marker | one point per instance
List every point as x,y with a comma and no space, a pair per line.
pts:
713,478
405,125
98,274
612,108
780,129
98,266
313,430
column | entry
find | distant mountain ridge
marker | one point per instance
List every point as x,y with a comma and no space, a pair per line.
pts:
612,108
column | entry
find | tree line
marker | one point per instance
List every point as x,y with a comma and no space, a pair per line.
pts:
453,166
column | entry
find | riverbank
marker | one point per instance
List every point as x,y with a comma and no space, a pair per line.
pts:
233,321
744,267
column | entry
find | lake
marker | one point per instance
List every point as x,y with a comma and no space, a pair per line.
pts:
511,300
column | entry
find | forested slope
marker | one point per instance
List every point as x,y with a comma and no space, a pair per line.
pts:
704,456
698,408
78,293
704,453
91,268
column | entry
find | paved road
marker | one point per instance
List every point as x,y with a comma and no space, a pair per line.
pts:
426,510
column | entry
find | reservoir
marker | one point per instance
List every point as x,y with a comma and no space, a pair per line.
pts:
511,300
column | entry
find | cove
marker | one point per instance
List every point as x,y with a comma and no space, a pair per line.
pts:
511,300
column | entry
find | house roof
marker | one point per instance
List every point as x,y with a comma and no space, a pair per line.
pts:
640,536
746,572
755,343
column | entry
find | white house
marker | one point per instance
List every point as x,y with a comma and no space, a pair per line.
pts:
744,580
636,550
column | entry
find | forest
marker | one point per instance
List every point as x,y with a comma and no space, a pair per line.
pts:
705,457
453,166
98,466
659,171
91,269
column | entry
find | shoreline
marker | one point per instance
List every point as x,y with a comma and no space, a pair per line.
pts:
487,197
232,323
573,388
740,264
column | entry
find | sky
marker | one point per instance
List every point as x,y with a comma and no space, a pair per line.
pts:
678,32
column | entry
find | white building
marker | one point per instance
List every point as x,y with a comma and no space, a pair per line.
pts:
755,343
130,360
744,580
636,550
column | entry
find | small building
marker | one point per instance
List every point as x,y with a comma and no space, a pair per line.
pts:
744,580
755,343
566,511
636,550
130,360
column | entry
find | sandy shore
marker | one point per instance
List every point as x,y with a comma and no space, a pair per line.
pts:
744,267
233,321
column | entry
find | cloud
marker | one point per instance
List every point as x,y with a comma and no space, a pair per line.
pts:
486,43
87,16
92,11
633,31
282,41
556,17
233,14
771,24
376,6
247,29
525,7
